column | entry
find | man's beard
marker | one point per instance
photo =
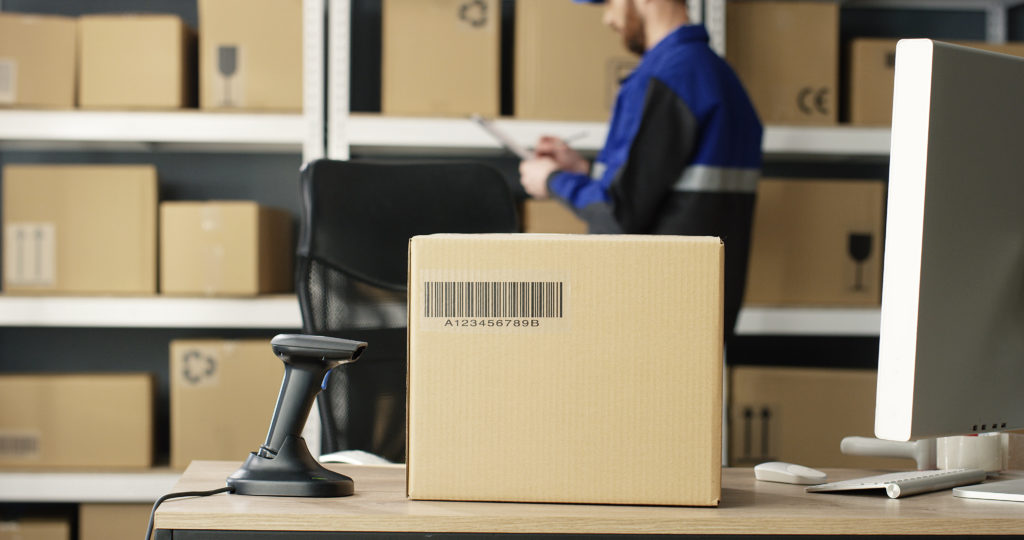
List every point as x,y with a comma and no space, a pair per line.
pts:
634,35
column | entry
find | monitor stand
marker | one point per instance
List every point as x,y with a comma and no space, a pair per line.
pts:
922,452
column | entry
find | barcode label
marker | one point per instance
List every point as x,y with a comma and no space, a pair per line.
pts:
19,445
493,299
8,81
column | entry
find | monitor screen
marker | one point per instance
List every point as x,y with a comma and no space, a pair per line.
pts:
951,351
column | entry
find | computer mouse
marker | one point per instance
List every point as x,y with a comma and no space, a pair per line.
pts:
788,473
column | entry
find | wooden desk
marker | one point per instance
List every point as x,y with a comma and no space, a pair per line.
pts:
748,508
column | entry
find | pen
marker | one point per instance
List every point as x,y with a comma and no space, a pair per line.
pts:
575,136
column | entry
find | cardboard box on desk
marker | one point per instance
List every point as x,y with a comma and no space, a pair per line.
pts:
250,55
36,529
441,57
800,415
817,242
872,72
76,421
79,229
568,64
112,521
224,248
565,368
37,61
786,53
222,398
136,62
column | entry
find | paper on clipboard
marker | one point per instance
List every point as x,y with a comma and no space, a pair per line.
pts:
503,138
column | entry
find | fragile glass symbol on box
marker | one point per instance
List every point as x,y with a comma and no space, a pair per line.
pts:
859,247
227,66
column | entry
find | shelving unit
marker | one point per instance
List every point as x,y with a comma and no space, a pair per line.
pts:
86,487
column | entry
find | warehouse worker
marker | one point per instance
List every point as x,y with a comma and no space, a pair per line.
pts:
683,152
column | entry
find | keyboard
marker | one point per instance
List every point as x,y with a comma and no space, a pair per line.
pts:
902,484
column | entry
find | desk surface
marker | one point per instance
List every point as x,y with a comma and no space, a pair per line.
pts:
747,507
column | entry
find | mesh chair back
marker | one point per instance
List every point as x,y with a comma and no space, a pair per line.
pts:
351,271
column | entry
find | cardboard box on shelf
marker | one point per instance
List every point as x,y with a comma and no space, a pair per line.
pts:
441,57
250,55
800,415
551,217
786,53
136,62
223,394
817,242
225,248
34,528
79,229
568,64
565,368
76,421
112,521
872,72
37,61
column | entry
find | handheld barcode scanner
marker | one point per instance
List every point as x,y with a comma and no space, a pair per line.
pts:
283,465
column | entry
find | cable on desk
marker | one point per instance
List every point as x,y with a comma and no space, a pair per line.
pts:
152,514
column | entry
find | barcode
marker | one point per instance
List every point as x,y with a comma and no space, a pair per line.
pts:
506,299
18,445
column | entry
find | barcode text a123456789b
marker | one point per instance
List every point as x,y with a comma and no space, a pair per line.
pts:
504,299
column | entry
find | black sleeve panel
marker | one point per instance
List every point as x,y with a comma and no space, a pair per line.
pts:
660,151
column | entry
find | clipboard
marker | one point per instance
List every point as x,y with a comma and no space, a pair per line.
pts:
503,138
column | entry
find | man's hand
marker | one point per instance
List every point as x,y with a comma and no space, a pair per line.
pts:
534,173
566,158
550,155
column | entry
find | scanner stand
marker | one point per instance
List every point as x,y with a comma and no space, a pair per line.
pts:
283,465
293,472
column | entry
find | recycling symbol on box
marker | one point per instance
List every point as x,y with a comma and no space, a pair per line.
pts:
474,13
197,367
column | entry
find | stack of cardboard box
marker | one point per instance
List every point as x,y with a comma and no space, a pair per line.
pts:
35,528
92,229
249,57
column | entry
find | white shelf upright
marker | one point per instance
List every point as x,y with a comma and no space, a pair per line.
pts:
313,16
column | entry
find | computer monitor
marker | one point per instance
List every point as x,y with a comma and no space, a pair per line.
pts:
951,351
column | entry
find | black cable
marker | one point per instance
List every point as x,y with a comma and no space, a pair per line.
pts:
152,514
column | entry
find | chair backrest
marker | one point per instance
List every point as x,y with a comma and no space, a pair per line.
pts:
351,271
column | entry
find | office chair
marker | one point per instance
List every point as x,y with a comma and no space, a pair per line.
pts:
351,271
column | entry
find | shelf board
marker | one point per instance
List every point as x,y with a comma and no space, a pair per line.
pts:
966,5
844,141
186,131
279,312
191,131
377,134
86,487
788,321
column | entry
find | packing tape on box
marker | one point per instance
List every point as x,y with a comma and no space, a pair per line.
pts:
211,221
8,81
